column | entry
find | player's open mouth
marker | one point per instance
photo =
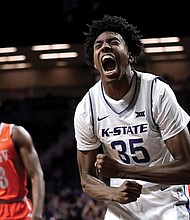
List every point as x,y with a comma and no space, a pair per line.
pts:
108,63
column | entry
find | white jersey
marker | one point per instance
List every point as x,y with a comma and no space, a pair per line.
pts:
132,131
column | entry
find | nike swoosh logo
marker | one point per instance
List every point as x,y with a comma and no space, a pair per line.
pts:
163,188
100,119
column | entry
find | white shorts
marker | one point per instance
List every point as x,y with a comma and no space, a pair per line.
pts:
168,204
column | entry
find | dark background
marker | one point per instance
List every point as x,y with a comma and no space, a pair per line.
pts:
24,23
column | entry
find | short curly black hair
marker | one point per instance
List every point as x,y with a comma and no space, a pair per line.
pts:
117,24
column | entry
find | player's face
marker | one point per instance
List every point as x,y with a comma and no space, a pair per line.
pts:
111,56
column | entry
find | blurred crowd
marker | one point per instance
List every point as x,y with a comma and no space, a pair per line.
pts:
50,122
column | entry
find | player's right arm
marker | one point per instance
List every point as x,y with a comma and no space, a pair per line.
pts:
128,192
87,150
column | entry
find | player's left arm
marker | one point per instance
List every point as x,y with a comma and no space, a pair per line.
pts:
175,172
24,143
179,147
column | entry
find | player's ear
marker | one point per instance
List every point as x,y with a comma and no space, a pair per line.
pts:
130,58
95,66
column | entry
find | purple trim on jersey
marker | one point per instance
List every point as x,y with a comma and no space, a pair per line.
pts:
91,111
134,97
188,202
151,91
151,103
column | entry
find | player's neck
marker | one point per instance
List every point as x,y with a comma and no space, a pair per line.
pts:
119,89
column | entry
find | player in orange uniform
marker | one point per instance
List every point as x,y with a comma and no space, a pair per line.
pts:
18,158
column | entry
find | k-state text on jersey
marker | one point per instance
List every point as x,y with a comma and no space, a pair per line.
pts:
119,130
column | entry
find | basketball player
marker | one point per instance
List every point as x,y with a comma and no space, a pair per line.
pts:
142,129
18,158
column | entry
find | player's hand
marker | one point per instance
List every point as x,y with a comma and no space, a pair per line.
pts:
106,166
128,192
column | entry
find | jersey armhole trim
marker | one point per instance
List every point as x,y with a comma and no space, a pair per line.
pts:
91,108
153,126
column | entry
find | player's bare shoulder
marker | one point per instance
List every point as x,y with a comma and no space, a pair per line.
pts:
20,135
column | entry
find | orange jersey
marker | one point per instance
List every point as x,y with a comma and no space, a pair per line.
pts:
13,176
14,204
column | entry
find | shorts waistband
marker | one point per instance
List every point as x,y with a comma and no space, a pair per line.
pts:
13,200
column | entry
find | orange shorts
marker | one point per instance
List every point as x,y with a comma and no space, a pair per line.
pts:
21,210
